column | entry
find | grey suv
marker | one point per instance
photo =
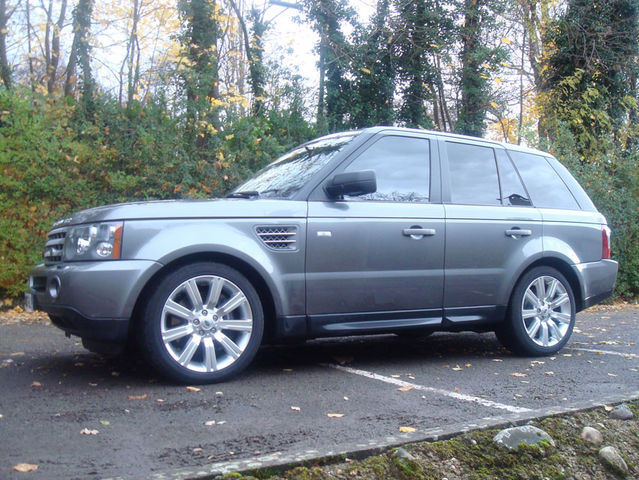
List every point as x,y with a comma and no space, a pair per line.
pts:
384,230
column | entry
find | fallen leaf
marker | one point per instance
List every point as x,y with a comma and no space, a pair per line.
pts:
25,467
468,365
36,384
395,376
79,364
457,368
86,431
209,423
106,423
549,373
193,389
159,400
334,415
406,388
219,394
612,375
17,354
515,374
497,360
407,429
137,397
456,390
345,398
221,422
297,409
608,408
566,354
411,377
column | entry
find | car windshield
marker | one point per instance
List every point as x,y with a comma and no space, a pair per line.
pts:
286,175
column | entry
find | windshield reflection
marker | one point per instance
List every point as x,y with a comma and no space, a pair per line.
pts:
286,175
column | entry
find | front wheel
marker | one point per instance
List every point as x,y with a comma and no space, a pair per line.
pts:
541,314
203,324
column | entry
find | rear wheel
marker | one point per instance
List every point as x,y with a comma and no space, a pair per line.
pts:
203,324
541,314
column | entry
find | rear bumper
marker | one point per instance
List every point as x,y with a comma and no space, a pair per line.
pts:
93,300
597,281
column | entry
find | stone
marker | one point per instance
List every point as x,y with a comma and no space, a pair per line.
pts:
400,453
591,435
612,458
511,438
622,412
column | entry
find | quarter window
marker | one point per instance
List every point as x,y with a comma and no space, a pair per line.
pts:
512,190
546,188
473,174
401,166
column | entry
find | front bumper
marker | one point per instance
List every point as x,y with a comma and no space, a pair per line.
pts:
597,281
91,299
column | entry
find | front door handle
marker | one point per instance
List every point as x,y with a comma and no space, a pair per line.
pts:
518,232
417,233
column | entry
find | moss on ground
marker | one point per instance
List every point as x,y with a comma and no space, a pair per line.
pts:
474,456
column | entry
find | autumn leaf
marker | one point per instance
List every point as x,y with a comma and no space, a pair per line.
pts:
193,389
209,423
365,70
334,415
506,40
406,388
36,384
297,409
407,429
86,431
25,467
106,423
515,374
137,397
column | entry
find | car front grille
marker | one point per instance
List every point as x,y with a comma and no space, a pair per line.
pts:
278,237
54,247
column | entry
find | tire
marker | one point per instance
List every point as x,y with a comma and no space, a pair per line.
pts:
203,324
541,314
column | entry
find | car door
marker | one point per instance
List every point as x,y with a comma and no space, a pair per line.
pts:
492,231
376,261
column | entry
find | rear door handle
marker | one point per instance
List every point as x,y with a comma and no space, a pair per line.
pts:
518,232
418,232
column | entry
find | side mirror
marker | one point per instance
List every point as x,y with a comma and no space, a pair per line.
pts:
351,183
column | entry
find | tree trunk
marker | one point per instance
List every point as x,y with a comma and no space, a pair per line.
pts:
55,48
5,70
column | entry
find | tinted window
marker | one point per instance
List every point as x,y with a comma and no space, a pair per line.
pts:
512,190
402,168
546,188
286,175
473,174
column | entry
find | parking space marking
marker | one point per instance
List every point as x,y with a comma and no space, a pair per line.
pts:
438,391
604,352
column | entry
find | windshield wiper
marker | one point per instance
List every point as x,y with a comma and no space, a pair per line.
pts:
246,194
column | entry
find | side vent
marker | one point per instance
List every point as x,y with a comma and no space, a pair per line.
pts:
278,237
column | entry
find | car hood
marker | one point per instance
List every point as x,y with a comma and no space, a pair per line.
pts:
173,209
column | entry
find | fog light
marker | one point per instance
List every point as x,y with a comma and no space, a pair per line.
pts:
54,287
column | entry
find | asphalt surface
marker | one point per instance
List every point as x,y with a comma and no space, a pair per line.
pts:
51,389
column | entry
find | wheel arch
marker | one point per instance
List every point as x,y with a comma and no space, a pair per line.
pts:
257,280
564,268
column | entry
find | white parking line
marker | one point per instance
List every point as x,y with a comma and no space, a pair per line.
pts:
604,352
439,391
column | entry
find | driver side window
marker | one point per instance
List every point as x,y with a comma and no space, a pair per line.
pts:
401,166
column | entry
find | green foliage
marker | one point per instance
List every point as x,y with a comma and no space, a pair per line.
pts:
373,72
590,73
478,62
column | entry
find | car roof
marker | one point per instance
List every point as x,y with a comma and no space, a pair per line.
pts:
509,146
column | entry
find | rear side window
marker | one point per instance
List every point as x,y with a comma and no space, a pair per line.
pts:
546,188
512,190
402,168
473,174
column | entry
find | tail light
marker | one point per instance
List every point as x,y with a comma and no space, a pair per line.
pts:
605,242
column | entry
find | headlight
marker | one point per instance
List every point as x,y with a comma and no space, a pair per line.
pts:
100,241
